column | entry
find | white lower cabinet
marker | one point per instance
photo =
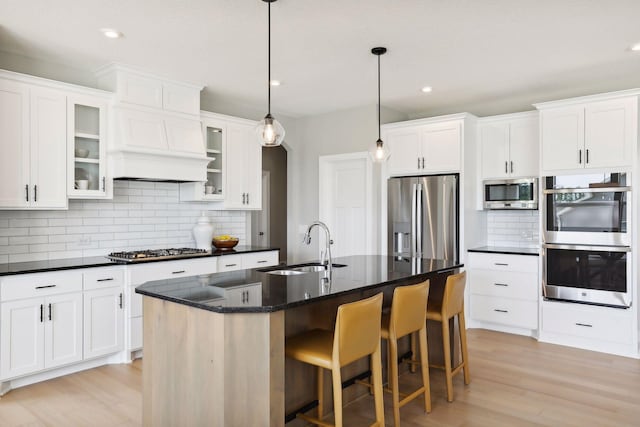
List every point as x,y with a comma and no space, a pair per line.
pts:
504,290
103,322
40,333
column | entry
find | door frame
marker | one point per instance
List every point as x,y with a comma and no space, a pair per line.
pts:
325,202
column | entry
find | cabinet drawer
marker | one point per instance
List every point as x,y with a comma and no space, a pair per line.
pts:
103,278
40,284
170,269
229,263
505,284
504,262
259,259
600,323
517,313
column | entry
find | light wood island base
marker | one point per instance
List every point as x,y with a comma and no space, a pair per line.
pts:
205,368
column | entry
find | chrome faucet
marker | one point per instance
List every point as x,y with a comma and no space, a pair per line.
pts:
325,258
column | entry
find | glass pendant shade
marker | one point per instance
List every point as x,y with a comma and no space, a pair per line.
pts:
270,132
380,152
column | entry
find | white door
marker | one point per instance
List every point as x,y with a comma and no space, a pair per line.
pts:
253,170
103,322
440,147
562,138
346,203
524,148
403,151
236,166
14,145
494,139
48,138
22,337
63,329
260,219
610,129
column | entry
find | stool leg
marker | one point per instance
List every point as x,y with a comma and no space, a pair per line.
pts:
393,379
320,392
424,365
376,362
414,353
446,346
337,394
463,345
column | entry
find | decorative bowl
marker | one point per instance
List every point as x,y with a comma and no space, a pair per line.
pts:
81,152
225,243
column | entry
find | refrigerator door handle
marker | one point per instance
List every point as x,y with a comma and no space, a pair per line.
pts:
413,220
419,217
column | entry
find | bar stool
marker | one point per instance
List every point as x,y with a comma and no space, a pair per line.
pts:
356,335
452,304
408,315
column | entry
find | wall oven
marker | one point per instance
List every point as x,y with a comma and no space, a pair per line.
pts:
511,194
587,209
590,274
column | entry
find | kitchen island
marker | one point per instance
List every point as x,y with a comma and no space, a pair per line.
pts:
214,344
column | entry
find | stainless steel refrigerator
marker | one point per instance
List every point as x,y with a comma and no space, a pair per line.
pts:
423,216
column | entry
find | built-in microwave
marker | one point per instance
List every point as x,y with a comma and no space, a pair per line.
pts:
587,209
589,274
511,194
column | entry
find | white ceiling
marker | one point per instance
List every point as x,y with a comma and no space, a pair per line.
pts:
481,56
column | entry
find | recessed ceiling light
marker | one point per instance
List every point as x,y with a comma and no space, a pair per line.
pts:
111,33
636,47
275,83
427,89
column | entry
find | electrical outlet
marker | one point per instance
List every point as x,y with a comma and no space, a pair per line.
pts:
84,241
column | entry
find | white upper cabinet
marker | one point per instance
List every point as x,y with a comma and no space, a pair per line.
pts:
595,134
509,146
243,168
422,147
33,160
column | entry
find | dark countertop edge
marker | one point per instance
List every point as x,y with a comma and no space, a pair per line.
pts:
271,309
506,250
103,261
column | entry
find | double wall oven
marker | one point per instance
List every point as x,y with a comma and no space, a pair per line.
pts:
587,239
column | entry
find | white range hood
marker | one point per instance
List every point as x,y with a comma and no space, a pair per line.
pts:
156,133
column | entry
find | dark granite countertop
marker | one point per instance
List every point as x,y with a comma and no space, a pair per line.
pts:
506,250
278,292
100,261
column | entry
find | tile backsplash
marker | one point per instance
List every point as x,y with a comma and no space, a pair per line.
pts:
513,228
141,215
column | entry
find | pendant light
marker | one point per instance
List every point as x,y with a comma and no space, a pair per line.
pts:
270,132
380,153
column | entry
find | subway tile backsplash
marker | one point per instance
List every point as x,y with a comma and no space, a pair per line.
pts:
513,228
142,215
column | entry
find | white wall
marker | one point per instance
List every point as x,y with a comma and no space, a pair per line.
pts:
339,132
142,215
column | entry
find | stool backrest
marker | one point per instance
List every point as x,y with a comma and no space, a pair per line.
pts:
408,309
357,331
453,299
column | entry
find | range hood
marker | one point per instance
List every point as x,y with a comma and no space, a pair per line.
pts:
155,128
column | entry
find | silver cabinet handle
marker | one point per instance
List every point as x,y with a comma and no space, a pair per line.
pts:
177,272
120,300
501,284
579,157
230,265
586,325
418,162
511,166
26,190
35,193
500,311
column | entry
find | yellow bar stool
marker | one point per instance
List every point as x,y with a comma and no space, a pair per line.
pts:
452,304
356,335
408,315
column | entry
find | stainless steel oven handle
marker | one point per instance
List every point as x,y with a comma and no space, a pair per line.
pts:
588,190
587,247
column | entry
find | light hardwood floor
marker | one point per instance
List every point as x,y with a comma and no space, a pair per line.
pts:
515,381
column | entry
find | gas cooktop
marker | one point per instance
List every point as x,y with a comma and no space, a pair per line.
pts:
156,254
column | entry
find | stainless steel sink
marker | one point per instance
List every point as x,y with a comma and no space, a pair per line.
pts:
310,268
286,272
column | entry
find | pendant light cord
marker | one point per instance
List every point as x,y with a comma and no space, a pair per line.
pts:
269,61
378,97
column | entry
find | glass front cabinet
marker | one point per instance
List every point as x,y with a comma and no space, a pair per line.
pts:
87,148
215,135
